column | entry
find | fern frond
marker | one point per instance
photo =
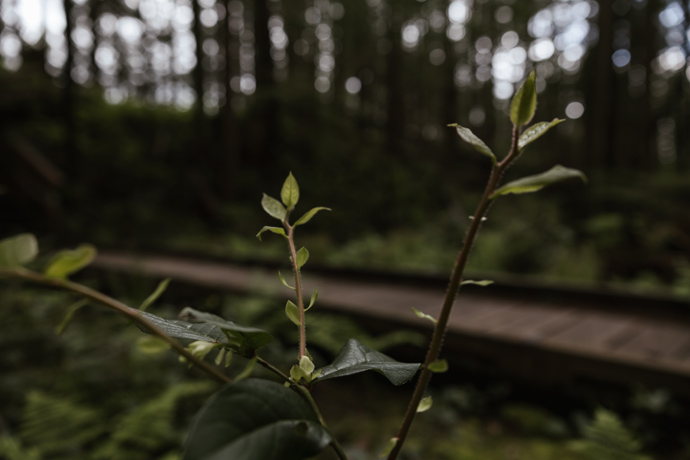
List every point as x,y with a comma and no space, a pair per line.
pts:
58,426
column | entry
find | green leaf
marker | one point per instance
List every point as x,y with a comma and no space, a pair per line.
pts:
285,283
18,250
534,183
71,310
292,312
389,447
308,215
220,357
273,207
354,358
184,329
255,420
468,136
312,301
524,102
162,286
276,230
290,192
535,131
298,375
247,371
424,315
249,338
477,283
306,365
302,257
425,404
66,262
439,367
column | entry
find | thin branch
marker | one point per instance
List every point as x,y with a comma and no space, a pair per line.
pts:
298,291
304,392
119,307
452,292
272,368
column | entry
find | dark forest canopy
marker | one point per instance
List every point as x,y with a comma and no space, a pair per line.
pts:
194,107
619,67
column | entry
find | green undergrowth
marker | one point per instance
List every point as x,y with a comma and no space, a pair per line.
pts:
117,401
531,239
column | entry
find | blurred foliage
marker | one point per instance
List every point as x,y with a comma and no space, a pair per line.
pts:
92,393
607,439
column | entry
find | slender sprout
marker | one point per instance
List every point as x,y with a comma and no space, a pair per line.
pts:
298,290
119,307
497,171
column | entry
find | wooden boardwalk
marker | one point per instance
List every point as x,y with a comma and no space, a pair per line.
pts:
551,342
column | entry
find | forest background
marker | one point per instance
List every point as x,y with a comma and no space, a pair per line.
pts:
151,125
158,123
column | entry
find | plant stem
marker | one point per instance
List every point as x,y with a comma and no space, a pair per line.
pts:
454,284
272,368
119,307
298,291
308,397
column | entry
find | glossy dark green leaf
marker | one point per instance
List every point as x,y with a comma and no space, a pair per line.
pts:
309,214
69,261
249,338
354,358
289,194
162,286
273,207
276,230
183,329
535,131
524,102
468,136
255,420
534,183
18,250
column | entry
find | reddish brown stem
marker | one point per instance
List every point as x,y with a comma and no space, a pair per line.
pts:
436,343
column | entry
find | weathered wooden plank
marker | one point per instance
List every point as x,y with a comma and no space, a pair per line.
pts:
658,340
649,343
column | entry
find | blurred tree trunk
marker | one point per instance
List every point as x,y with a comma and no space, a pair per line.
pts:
69,158
94,12
449,97
230,161
198,72
395,106
603,124
266,128
683,101
646,150
262,46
